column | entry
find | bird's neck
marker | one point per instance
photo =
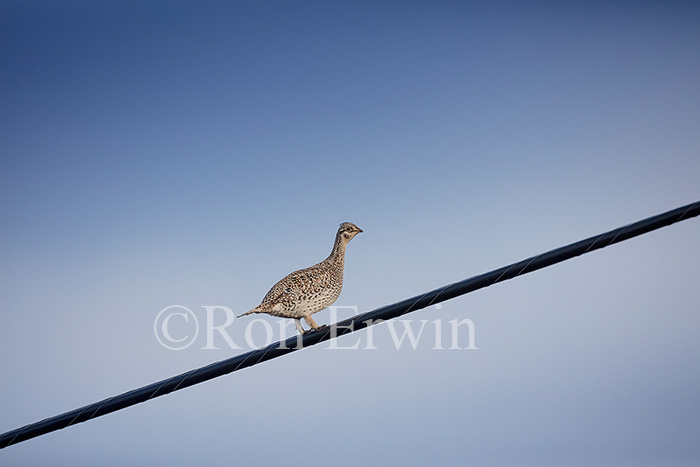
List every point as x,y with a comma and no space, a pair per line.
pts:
337,256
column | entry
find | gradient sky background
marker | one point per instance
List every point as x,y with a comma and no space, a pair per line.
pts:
155,153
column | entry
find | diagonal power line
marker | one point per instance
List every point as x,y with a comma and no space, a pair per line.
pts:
349,325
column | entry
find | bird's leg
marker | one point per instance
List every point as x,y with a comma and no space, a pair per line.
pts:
300,328
310,321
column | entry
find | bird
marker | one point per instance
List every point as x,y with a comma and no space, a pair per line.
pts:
307,291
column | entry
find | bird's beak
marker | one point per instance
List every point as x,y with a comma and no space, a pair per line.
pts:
359,230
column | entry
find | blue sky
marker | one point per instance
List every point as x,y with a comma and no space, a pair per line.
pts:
158,153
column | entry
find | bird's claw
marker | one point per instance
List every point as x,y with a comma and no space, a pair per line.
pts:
306,331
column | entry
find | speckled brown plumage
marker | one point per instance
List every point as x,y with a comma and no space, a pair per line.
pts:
308,291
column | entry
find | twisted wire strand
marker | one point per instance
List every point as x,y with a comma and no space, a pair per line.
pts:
361,321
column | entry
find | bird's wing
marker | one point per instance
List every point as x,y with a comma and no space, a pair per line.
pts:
309,281
302,283
273,297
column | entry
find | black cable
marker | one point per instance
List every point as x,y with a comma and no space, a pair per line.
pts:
349,325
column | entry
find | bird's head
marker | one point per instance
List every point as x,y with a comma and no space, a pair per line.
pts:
347,231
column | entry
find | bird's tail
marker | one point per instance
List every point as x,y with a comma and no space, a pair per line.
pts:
248,313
